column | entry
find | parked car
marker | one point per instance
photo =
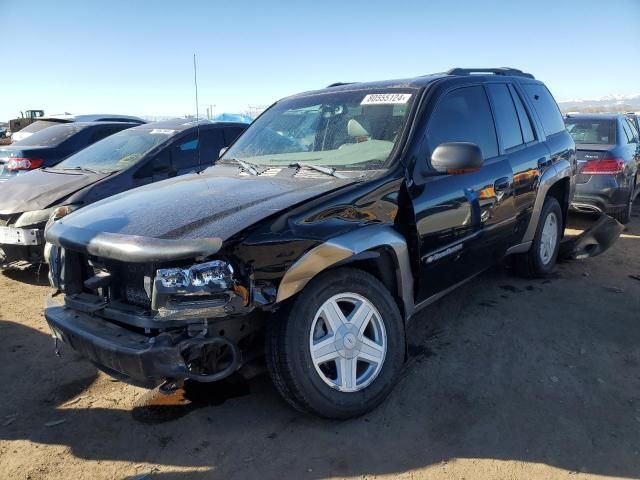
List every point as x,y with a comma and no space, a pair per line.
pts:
608,150
133,157
324,241
49,147
46,122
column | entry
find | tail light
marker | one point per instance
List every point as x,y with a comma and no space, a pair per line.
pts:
19,163
607,166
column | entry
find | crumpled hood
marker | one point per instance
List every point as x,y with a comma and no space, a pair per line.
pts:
194,206
39,189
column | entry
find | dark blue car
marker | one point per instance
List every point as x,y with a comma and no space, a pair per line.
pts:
50,146
608,151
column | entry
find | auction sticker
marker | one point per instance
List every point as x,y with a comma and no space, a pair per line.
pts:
385,98
162,131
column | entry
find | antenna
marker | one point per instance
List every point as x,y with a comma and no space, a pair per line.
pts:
195,82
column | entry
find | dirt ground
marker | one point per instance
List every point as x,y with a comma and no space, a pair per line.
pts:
509,379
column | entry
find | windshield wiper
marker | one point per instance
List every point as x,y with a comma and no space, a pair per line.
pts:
82,169
318,168
246,166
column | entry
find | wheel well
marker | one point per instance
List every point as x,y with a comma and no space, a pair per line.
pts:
381,264
560,191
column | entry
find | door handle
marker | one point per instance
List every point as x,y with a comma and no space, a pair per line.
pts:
501,184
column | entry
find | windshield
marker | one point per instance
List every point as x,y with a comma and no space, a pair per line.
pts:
355,130
118,151
597,131
51,136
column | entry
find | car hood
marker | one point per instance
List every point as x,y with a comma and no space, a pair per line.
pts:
42,188
191,207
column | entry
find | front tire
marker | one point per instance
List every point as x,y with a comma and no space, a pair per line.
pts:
338,348
539,261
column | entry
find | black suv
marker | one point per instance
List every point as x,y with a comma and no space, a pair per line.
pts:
335,218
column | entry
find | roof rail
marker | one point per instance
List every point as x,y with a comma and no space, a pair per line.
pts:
339,84
495,71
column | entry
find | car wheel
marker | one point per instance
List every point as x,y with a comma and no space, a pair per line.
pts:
624,214
338,348
541,257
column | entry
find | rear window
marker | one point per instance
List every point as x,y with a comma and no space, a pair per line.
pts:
40,125
601,131
546,107
52,136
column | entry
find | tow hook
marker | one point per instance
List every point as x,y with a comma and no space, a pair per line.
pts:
593,241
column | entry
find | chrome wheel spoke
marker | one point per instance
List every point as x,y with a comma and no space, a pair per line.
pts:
361,316
347,373
370,351
333,315
324,351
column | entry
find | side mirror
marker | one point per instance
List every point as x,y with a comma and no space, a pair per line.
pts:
457,158
223,150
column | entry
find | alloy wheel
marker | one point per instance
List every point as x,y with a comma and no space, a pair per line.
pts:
348,342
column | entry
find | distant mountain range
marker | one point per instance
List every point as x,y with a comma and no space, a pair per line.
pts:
609,103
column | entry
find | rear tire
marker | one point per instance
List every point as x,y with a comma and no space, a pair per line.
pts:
624,215
337,349
539,261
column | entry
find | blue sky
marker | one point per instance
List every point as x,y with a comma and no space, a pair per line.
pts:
135,57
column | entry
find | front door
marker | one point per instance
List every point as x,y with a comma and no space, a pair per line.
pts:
464,221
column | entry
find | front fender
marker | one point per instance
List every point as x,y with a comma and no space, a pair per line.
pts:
341,248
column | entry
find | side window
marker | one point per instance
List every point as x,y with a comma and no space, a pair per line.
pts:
231,133
160,164
463,115
523,115
546,106
627,131
212,141
184,154
506,116
630,131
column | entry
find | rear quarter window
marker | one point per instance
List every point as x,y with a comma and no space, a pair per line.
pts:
546,108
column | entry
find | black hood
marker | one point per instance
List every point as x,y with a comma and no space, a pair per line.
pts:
40,189
208,205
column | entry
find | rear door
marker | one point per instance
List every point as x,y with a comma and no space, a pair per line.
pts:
519,142
463,221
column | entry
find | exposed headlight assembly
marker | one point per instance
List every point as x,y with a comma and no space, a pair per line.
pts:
36,217
205,289
213,276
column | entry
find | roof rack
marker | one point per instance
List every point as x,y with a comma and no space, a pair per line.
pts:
495,71
339,84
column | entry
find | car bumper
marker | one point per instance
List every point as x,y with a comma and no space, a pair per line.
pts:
135,357
601,194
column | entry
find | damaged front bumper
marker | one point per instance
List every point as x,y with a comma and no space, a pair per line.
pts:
595,240
141,358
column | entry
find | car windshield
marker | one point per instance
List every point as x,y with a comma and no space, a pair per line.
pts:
118,151
596,131
51,136
351,130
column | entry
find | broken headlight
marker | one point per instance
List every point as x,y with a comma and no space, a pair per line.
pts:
213,276
204,289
